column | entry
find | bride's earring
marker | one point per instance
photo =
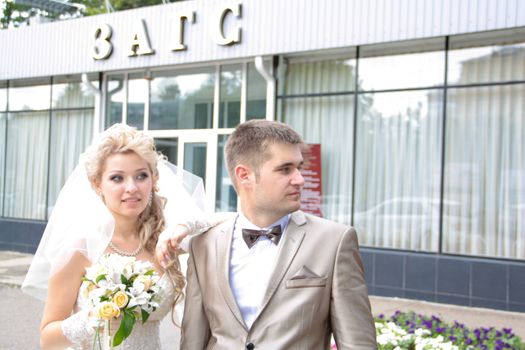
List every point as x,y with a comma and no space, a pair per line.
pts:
150,198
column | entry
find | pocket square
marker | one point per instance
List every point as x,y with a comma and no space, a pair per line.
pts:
303,273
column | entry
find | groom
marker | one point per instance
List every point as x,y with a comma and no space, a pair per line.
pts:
274,277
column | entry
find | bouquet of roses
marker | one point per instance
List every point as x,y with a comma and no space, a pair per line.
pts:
119,288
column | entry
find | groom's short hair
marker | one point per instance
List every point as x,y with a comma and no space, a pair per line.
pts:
248,144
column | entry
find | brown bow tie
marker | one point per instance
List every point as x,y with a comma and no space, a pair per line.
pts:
251,236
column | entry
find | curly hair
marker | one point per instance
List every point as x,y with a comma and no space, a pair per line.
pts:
122,139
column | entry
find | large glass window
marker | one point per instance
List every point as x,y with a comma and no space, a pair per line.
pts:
225,196
398,162
323,76
182,99
328,121
41,140
168,147
116,98
386,68
398,197
3,121
27,165
29,96
3,96
256,91
71,133
230,100
137,99
486,64
485,170
71,93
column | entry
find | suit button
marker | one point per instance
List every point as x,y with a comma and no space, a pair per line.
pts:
250,346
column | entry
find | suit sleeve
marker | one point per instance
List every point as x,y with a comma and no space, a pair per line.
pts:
195,331
350,313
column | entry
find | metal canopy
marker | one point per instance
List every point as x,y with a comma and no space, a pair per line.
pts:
49,5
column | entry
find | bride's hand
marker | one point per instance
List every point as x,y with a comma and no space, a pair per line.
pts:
169,243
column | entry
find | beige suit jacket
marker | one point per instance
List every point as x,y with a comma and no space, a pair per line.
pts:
316,288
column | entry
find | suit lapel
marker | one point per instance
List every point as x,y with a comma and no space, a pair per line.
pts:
292,239
223,244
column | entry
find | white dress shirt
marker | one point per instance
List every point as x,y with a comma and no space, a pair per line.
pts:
250,269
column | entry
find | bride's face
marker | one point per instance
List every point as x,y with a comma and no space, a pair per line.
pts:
126,184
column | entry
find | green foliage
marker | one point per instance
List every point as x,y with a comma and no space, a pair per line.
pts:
12,13
126,326
16,14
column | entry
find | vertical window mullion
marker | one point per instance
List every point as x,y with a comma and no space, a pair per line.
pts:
216,98
443,149
125,104
49,146
244,91
355,111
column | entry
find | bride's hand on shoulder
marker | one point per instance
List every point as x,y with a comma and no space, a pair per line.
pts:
169,243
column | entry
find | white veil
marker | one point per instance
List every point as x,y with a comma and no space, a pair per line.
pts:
81,222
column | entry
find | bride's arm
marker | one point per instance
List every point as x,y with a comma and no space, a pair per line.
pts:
62,294
170,239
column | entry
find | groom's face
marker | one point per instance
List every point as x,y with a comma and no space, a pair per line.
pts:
277,187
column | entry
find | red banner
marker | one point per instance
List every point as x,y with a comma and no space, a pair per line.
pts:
312,190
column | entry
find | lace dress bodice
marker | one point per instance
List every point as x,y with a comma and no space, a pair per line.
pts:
144,336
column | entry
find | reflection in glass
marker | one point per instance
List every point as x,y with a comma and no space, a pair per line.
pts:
137,99
195,158
486,64
182,100
256,91
168,147
327,121
402,71
485,172
320,77
65,151
72,94
230,100
398,162
225,197
3,96
27,165
115,99
29,97
3,121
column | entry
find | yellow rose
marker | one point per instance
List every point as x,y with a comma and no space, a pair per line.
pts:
121,299
108,310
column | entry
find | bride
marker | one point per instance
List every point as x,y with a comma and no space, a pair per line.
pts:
114,202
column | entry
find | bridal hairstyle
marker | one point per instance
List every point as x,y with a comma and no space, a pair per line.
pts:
248,144
124,139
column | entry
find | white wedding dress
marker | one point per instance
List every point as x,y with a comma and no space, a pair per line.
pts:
144,336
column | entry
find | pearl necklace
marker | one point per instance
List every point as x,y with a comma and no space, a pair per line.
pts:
123,252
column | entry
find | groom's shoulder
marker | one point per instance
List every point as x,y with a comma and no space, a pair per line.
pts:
214,231
321,225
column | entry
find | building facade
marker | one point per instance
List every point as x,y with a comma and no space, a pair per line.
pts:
417,108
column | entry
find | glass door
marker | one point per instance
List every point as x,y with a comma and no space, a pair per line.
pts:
196,154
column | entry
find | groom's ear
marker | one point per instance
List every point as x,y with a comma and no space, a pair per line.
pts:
242,175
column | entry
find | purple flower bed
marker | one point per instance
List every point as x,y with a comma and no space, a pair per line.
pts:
456,333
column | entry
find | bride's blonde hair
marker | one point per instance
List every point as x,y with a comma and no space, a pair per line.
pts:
122,139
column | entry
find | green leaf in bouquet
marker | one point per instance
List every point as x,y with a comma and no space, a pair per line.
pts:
100,278
126,326
145,316
123,279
